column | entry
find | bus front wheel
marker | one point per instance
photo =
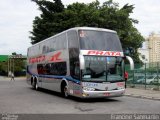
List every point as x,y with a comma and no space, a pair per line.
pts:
64,90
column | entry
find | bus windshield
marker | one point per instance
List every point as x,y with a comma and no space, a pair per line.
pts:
99,40
103,69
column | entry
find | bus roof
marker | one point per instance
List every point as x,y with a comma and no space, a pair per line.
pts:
76,29
92,28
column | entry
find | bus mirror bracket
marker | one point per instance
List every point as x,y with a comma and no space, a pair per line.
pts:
82,62
131,62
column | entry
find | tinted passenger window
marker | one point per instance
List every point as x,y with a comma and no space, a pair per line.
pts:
59,68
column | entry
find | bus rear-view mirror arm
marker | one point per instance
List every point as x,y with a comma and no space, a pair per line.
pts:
131,62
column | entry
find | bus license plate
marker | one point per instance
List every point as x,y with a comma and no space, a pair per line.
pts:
106,94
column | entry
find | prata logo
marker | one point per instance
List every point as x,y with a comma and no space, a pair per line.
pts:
104,53
54,58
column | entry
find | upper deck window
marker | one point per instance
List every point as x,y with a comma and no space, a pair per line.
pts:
99,40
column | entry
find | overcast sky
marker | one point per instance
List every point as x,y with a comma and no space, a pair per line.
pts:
16,18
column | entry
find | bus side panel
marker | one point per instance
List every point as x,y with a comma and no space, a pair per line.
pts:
55,70
52,84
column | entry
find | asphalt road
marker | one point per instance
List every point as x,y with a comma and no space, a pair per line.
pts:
18,98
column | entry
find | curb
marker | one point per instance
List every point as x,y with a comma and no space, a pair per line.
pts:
142,97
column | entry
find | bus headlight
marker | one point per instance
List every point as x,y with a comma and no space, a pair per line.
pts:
88,88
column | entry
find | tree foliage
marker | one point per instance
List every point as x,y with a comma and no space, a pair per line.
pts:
46,24
56,18
19,66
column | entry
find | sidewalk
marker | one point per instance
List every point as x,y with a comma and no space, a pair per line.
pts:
2,78
141,93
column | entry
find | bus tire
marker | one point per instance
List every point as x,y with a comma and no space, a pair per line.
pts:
35,86
64,90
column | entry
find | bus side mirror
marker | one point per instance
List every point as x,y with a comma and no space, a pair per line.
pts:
131,62
82,62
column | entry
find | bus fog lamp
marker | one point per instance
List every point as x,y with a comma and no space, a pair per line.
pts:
85,95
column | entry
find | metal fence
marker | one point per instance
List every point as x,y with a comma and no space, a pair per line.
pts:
145,76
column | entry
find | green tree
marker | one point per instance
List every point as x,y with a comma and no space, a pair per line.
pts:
3,68
46,24
108,15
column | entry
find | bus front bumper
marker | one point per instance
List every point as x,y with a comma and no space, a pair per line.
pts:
103,94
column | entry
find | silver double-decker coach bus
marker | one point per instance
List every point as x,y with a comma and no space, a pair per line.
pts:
84,62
